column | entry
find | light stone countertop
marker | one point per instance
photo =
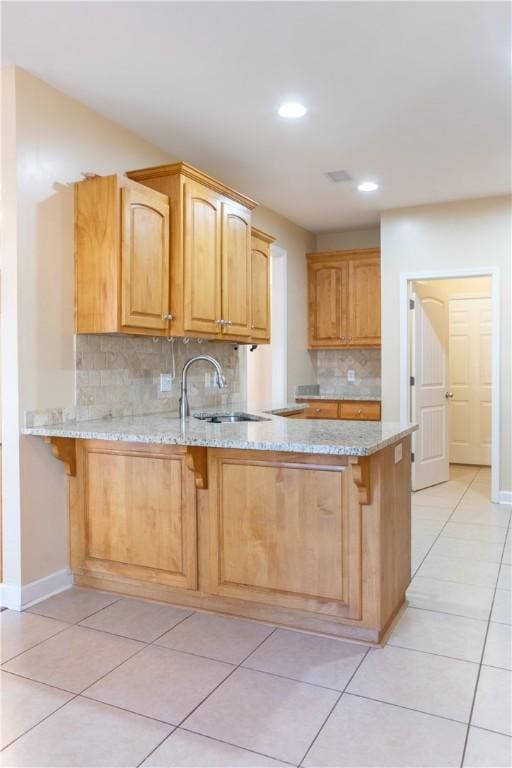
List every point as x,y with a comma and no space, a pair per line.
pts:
343,392
339,438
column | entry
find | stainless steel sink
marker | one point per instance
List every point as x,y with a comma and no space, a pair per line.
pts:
227,418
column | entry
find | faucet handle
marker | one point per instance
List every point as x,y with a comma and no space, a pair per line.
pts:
221,380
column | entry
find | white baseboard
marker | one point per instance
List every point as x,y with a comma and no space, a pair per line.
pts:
17,596
505,497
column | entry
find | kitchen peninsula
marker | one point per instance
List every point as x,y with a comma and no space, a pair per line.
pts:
297,522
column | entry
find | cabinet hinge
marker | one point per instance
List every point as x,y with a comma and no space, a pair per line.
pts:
411,303
412,458
411,381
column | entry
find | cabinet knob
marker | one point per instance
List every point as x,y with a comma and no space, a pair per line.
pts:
360,411
228,322
220,322
342,338
168,317
317,410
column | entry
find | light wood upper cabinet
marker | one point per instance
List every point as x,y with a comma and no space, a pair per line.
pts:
202,260
364,302
211,282
122,257
144,259
344,299
327,309
236,272
260,285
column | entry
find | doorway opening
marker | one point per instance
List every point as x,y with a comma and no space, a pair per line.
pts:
266,366
452,376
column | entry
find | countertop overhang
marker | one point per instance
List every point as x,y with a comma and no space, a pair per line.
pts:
320,436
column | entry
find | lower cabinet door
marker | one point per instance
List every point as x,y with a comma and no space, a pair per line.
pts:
284,533
135,516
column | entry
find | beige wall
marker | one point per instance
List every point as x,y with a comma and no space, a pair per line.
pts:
346,239
296,242
453,236
56,139
48,139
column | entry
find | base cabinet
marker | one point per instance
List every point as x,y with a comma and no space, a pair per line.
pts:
313,542
282,532
133,514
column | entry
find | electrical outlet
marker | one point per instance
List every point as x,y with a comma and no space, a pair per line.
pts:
351,376
398,453
165,382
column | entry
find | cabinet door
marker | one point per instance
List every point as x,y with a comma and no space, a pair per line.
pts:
364,302
137,514
145,259
260,290
283,533
236,271
327,308
202,260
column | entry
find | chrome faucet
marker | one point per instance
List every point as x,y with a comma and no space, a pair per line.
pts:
219,378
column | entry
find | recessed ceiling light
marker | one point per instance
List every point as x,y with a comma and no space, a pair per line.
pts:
368,186
292,109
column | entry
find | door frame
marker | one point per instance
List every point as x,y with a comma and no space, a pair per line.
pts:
406,278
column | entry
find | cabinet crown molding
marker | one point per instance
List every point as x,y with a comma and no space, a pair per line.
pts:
342,255
262,235
184,169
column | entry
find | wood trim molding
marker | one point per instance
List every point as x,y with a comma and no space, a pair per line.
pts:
333,256
361,478
64,449
184,169
196,461
262,235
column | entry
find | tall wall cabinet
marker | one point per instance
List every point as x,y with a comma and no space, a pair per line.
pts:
344,299
169,251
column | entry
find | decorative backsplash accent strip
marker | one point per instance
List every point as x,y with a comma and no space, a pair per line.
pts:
120,376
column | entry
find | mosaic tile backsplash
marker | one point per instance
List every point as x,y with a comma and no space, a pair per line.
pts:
331,367
120,376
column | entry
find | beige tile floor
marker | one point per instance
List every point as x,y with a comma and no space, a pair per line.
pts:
92,679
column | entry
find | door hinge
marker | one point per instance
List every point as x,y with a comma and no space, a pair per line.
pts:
411,303
411,381
412,458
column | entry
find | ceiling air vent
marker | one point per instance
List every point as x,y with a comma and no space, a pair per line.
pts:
338,176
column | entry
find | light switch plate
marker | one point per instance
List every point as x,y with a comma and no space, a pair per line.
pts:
351,376
398,453
165,382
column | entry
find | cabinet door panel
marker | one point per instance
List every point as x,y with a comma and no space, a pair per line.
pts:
145,260
236,271
140,516
326,306
282,534
202,260
260,290
364,302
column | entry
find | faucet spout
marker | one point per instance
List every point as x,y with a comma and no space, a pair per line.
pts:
219,378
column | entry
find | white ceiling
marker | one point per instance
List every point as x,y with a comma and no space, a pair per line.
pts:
415,95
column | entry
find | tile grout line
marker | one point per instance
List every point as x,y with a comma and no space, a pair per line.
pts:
342,693
453,510
74,695
208,696
473,702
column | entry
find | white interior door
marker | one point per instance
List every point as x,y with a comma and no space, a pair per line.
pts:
430,390
470,380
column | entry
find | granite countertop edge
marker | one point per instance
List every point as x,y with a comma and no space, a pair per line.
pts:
318,436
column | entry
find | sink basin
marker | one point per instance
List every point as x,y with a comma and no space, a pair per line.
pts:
227,418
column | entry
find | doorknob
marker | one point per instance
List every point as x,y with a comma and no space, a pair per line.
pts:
448,395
